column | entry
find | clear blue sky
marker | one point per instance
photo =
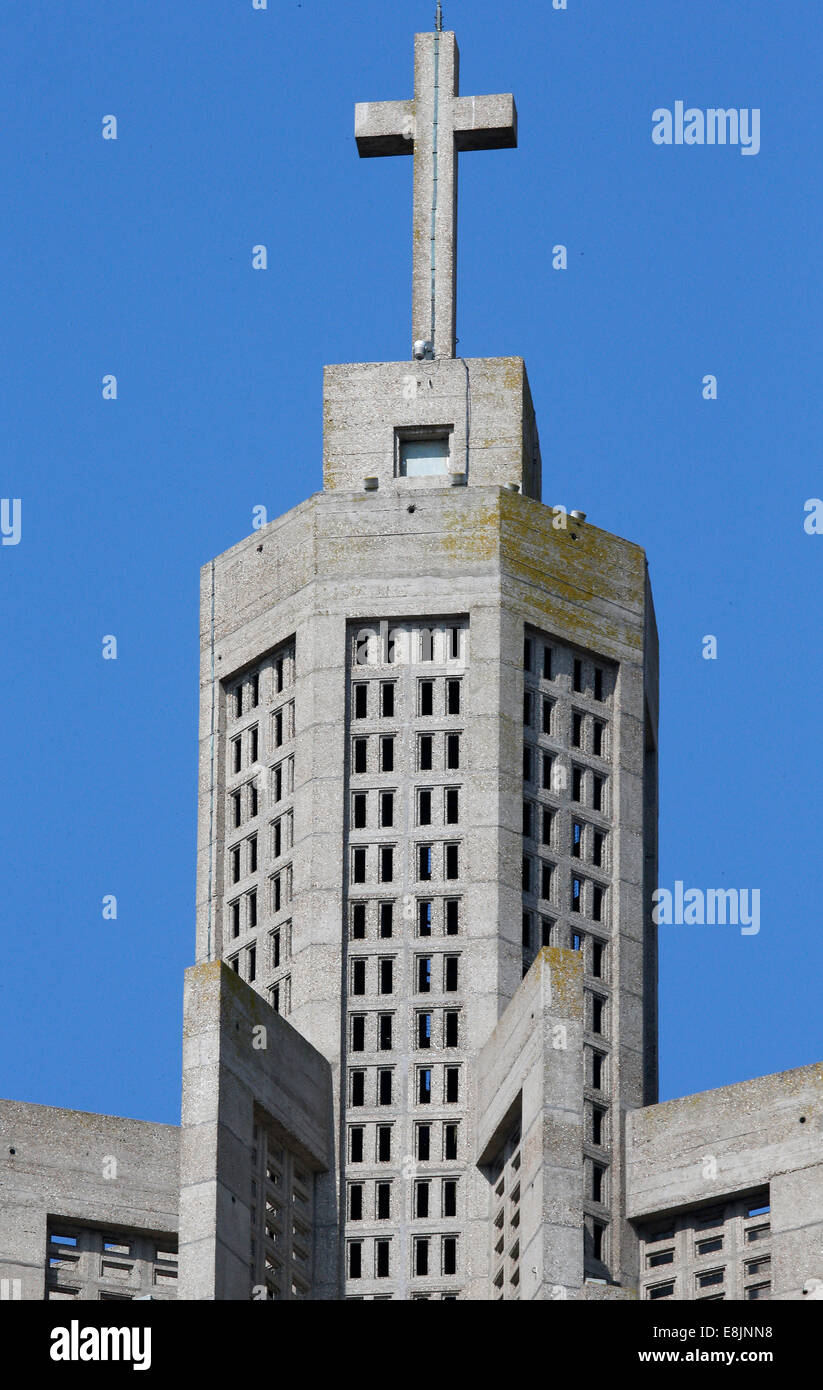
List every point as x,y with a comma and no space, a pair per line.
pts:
134,257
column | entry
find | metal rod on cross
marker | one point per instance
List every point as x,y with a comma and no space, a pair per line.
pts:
438,23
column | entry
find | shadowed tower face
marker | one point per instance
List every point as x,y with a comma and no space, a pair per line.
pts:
435,127
428,806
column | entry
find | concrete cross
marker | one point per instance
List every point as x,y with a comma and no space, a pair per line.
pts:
435,127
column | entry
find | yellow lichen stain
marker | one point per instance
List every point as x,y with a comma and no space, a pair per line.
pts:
566,976
594,565
512,373
471,534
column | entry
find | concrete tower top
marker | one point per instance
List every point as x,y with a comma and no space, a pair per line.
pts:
434,127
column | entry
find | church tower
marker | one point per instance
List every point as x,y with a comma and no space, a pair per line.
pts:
427,825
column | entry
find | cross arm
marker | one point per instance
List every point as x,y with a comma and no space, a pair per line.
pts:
384,127
485,123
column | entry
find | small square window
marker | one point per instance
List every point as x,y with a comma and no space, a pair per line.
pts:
423,458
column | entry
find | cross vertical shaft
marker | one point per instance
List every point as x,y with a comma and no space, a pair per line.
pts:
435,127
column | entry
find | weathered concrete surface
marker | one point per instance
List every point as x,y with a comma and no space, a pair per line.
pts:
240,1058
735,1140
534,1061
86,1168
483,403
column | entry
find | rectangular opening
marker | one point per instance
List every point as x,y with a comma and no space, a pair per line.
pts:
359,752
421,1200
356,1144
452,916
424,807
424,974
386,975
452,806
424,918
359,810
355,1259
546,873
449,1197
424,1030
361,700
358,1033
450,1254
387,699
358,868
451,1028
381,1260
384,1143
577,676
386,917
387,753
356,1201
386,864
452,1085
424,457
452,861
358,921
384,1032
387,809
423,1143
421,1256
358,977
450,1142
453,696
451,974
383,1201
452,751
425,698
424,1085
424,752
384,1086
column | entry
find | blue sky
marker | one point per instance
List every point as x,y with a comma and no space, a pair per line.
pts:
133,257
